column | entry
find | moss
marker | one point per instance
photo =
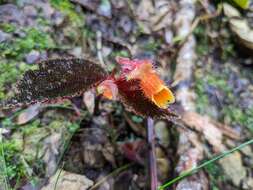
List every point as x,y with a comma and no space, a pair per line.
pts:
223,46
12,54
121,53
9,72
15,162
140,29
205,86
10,158
72,127
8,28
33,40
202,39
236,116
30,128
88,33
68,9
24,149
152,45
216,175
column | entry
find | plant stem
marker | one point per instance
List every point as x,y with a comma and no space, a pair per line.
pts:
151,154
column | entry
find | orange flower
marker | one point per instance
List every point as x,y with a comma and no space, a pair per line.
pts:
152,86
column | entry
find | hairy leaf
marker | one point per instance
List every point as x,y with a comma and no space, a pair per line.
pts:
133,97
56,78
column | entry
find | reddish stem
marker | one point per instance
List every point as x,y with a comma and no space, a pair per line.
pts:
151,153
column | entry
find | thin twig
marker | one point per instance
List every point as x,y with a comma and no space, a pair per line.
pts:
99,48
151,153
197,21
183,39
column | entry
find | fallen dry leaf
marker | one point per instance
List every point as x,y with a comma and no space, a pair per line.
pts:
102,8
133,150
89,100
52,147
239,26
66,181
162,133
191,152
163,164
156,16
197,182
232,165
97,149
204,125
189,160
27,115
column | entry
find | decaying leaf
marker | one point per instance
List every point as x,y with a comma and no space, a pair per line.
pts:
133,150
63,180
233,167
239,26
212,131
89,100
163,164
189,159
97,149
28,114
162,133
102,8
56,78
197,182
52,146
154,15
191,152
204,125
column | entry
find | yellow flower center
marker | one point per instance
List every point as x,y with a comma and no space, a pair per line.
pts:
163,97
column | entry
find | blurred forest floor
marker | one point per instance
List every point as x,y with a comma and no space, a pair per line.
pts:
203,50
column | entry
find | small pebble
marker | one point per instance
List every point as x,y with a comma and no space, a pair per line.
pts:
32,57
3,36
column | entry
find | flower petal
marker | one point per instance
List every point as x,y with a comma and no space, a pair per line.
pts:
152,86
109,89
163,97
132,96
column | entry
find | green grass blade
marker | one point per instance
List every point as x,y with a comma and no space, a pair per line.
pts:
3,166
58,177
196,169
